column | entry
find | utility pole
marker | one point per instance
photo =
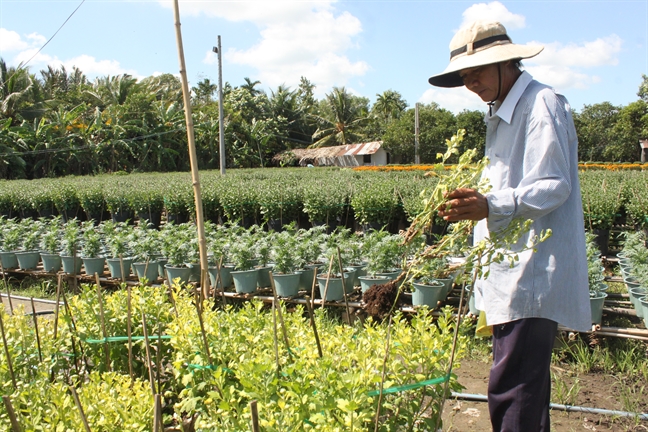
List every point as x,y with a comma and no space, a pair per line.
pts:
417,158
221,129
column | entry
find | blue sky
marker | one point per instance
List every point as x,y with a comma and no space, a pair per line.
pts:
595,51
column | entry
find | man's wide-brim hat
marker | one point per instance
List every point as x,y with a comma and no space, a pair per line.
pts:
478,44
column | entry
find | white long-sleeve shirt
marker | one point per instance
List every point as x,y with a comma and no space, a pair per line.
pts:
532,146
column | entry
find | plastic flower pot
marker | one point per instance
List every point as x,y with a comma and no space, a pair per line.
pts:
307,276
94,265
447,284
428,294
471,301
51,262
146,270
28,260
71,264
367,282
635,294
194,275
115,267
161,267
390,274
245,281
263,280
286,285
180,273
643,301
360,270
226,276
596,305
349,277
9,260
335,290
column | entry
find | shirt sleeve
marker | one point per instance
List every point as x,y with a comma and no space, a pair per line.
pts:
545,182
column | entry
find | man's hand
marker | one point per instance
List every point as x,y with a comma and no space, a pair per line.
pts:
464,204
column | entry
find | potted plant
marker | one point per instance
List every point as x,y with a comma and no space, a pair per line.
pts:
241,252
430,283
118,203
91,249
11,234
145,246
176,248
595,278
218,246
28,256
283,254
50,244
262,250
117,237
308,251
334,284
70,260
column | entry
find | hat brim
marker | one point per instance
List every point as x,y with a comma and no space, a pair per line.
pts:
494,54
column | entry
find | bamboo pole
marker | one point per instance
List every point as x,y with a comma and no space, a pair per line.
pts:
59,288
73,327
312,299
384,373
15,426
346,301
103,323
4,278
280,313
274,334
328,278
158,424
203,333
77,402
148,355
129,333
255,416
314,326
38,343
6,349
193,158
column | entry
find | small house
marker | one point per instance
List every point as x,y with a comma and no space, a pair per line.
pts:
348,155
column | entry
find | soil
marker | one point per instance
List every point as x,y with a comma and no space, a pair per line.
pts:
597,390
379,299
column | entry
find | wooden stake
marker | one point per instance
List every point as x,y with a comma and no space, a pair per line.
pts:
314,326
384,370
158,424
159,358
59,287
280,313
129,333
204,335
346,301
15,426
328,278
274,334
40,353
148,355
313,288
80,408
6,349
4,278
193,158
103,323
73,331
255,416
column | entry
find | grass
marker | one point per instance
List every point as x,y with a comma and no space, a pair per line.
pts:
30,287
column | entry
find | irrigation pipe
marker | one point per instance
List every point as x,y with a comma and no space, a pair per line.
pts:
559,407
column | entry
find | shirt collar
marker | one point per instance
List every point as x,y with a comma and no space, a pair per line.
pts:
505,110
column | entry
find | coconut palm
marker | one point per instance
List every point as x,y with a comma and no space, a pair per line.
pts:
344,116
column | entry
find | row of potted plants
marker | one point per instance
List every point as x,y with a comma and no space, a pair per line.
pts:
633,262
279,196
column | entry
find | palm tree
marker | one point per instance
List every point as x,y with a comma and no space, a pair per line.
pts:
204,91
16,97
341,123
250,86
389,105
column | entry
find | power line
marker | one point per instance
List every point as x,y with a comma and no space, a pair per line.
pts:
55,33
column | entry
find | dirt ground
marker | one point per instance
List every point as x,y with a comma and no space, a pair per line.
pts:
597,390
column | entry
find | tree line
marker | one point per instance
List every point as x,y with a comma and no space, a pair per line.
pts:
60,123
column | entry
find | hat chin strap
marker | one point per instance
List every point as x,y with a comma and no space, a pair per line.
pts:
499,89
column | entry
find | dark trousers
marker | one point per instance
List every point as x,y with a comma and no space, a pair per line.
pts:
519,387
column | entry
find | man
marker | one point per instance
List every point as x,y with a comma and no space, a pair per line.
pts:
533,170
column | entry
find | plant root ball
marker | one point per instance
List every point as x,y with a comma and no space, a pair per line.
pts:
381,299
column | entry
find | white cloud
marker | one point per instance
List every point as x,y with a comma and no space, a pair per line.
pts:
600,52
562,65
493,11
295,39
11,41
453,99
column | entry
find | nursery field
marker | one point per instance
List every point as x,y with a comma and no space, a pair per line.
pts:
334,300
